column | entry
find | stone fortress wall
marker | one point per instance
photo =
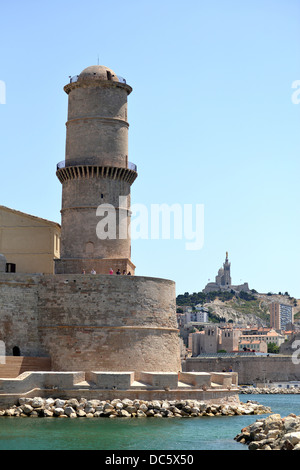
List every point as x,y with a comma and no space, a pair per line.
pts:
83,322
252,369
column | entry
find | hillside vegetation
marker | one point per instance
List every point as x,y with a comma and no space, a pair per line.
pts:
239,307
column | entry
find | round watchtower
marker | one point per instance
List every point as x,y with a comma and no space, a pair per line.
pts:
95,175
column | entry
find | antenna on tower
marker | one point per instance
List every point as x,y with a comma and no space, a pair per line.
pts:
98,60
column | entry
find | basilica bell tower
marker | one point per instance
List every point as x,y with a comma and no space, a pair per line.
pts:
96,175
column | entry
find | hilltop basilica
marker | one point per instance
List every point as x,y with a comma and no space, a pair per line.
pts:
223,280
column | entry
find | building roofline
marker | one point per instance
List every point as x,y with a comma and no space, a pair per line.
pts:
34,217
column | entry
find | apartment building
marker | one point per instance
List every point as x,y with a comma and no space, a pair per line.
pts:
281,315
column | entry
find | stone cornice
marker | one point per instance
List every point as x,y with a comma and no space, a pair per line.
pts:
107,120
91,171
96,83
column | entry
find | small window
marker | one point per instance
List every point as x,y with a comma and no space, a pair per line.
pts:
56,242
102,196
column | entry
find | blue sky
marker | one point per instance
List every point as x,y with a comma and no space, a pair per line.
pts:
211,117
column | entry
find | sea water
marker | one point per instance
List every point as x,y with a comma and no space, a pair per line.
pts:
180,434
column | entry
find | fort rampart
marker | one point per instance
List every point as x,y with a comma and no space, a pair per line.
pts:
250,369
91,322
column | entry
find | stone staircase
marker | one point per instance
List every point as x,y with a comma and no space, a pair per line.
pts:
16,365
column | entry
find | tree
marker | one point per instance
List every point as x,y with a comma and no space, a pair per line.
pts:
246,296
273,348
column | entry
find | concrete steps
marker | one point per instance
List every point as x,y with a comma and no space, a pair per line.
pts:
215,386
84,385
16,365
184,385
136,385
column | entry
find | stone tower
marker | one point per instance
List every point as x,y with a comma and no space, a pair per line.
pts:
223,278
226,267
96,176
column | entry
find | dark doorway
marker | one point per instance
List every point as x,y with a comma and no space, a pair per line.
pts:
10,268
16,351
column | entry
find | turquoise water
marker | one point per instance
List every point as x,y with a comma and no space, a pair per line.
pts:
203,433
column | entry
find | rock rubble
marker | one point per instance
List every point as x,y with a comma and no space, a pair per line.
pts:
272,433
268,390
126,408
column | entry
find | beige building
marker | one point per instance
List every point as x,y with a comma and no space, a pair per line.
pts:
30,244
270,337
253,344
229,339
213,339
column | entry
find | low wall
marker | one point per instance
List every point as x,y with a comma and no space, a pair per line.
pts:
198,379
19,319
160,379
109,380
101,266
250,369
210,396
111,385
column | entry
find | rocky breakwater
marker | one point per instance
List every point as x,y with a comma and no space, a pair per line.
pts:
126,408
272,433
269,390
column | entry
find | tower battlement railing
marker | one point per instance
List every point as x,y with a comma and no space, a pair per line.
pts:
95,171
75,78
91,161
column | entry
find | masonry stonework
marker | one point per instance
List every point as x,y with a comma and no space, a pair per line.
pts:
109,323
19,313
96,172
88,322
249,369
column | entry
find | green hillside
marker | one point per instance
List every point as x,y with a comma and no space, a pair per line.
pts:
236,306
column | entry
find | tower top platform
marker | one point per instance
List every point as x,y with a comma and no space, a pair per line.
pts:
96,75
98,72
